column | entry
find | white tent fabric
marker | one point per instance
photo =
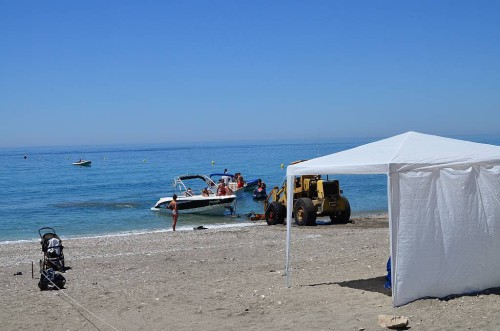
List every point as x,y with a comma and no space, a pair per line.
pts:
444,210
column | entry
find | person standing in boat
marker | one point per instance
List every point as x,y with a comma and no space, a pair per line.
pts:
226,178
173,206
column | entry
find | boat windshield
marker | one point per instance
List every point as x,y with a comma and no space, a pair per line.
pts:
194,182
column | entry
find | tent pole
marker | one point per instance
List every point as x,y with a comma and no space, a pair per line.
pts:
392,229
289,206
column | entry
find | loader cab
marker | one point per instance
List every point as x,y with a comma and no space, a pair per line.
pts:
330,188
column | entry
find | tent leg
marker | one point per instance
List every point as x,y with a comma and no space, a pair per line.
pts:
287,268
289,206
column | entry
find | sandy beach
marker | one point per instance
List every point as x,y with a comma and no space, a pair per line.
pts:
226,279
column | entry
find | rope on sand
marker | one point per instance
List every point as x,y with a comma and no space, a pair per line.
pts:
80,305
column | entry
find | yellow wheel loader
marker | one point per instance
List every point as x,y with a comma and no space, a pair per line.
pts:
312,197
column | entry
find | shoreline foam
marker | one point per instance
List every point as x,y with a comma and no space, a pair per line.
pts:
181,227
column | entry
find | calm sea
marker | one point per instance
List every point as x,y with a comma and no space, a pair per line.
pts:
115,194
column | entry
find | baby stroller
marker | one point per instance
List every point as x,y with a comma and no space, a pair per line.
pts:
52,248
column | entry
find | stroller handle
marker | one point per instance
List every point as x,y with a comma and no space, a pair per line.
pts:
45,228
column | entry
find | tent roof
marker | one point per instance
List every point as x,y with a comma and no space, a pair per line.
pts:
407,151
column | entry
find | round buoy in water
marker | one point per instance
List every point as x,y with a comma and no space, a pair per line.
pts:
213,162
282,166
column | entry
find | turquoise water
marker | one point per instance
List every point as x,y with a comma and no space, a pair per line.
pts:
115,194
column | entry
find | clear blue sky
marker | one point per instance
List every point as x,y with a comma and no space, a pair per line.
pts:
108,72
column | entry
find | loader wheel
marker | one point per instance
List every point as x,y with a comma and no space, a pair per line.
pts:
274,214
282,213
344,216
304,211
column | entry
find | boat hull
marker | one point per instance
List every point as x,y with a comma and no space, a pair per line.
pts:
251,184
83,163
259,196
198,205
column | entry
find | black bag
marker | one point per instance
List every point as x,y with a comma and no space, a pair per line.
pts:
50,280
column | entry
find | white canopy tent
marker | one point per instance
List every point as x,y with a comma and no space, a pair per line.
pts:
444,210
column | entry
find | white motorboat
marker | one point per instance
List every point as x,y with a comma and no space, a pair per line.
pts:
233,185
84,163
197,194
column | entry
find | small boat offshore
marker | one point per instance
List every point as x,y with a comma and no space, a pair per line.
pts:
84,163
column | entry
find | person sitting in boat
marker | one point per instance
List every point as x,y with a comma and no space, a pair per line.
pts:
221,189
205,192
228,190
260,192
261,187
189,192
240,181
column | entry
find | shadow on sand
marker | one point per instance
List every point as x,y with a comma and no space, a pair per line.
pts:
376,285
372,284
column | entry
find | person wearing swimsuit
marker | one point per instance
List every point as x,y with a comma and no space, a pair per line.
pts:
173,206
221,190
241,182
